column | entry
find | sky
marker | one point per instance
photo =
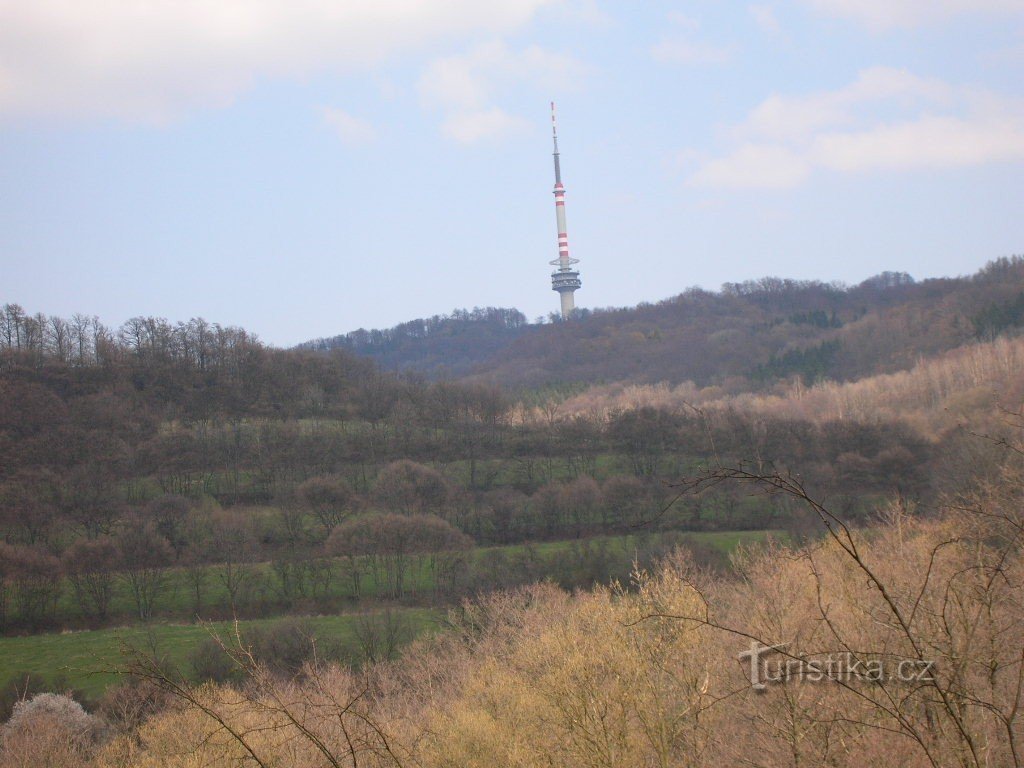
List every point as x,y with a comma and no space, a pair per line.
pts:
303,168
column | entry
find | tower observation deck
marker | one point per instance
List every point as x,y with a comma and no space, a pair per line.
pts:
565,279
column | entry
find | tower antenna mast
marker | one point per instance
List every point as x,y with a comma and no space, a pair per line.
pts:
565,279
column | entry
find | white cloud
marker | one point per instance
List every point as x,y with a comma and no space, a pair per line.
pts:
581,12
764,17
471,127
754,166
470,79
680,19
686,52
929,142
155,60
680,47
464,86
684,158
886,120
794,117
888,14
350,129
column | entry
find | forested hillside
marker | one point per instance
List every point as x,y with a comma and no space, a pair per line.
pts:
160,475
744,337
270,474
440,346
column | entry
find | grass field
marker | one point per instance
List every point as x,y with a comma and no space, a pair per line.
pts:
176,600
723,541
88,660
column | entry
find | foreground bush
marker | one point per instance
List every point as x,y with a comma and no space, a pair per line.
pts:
48,730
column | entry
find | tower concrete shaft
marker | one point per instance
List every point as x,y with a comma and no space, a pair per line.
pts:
564,279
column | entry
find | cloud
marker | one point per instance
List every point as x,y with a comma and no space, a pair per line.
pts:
153,61
886,120
350,129
685,52
470,79
680,19
577,12
464,86
764,17
680,48
795,117
471,127
754,167
889,14
929,142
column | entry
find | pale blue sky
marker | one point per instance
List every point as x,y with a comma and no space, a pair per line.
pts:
303,168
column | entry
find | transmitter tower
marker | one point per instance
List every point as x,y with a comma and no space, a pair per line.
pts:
566,278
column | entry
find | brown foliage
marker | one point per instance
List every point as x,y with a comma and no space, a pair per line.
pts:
90,566
30,585
143,559
933,394
411,488
329,498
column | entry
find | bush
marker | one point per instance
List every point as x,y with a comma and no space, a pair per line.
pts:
282,647
211,663
128,705
49,730
20,686
285,645
380,635
410,488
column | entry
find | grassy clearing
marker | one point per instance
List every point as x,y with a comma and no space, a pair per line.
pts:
501,472
87,661
177,598
722,541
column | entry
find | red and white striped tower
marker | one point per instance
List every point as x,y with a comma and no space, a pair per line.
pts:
565,279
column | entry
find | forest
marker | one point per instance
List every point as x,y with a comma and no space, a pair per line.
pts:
585,520
746,335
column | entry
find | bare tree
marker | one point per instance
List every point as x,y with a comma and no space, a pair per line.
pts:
32,577
944,597
90,566
169,515
144,557
232,550
396,545
381,634
411,488
330,498
328,717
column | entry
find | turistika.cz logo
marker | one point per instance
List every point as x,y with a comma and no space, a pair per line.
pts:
768,665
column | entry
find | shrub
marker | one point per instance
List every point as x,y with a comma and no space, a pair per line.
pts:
128,705
49,730
211,663
284,646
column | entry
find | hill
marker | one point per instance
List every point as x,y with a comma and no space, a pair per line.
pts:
247,480
440,346
744,337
